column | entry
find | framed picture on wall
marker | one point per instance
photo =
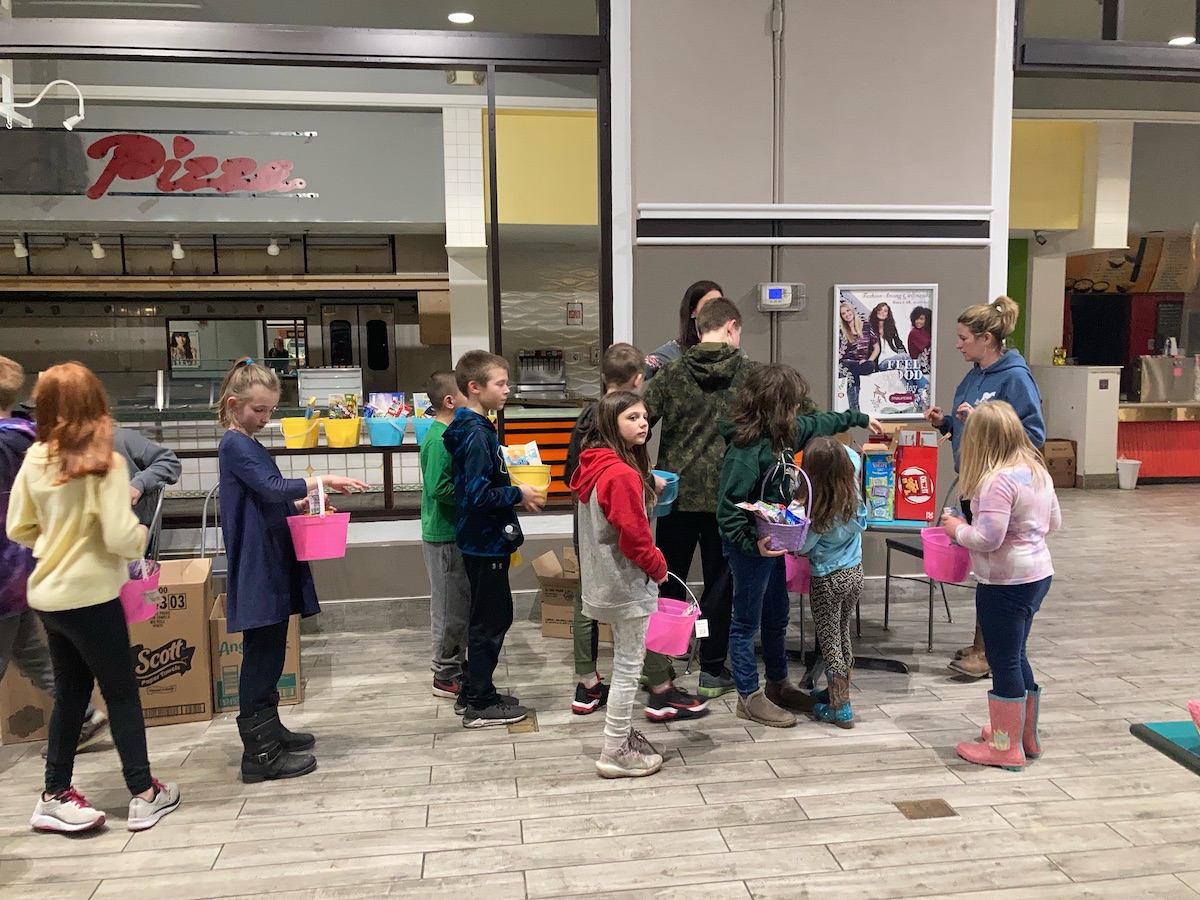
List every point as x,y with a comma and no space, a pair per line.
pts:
883,353
184,347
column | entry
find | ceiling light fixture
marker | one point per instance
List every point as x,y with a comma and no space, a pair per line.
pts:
1184,40
462,18
9,106
273,247
20,251
97,249
177,250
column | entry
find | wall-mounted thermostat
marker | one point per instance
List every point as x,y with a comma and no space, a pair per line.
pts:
781,297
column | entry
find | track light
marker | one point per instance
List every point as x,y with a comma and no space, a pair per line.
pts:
177,250
97,250
9,106
273,247
20,251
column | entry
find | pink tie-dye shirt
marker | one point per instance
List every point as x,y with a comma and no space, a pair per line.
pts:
1012,514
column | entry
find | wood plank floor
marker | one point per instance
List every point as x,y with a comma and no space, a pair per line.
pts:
407,803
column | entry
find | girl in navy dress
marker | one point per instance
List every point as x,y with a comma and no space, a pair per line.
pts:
266,583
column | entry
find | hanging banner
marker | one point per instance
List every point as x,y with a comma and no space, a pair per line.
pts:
883,349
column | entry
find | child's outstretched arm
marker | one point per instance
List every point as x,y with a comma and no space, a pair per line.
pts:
622,501
828,424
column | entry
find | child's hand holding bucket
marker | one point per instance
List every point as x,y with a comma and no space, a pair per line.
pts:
532,498
950,524
660,485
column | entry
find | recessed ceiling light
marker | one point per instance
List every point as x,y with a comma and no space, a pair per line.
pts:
1182,41
461,18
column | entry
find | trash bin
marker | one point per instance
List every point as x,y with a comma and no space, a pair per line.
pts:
1127,473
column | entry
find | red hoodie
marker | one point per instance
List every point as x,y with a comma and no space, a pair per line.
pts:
619,492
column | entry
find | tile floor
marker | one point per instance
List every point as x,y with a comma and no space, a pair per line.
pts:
406,803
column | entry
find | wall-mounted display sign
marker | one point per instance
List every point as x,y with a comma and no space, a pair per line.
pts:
883,362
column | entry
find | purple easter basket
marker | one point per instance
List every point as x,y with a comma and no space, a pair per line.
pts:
789,537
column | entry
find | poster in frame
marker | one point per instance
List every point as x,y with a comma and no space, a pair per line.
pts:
883,349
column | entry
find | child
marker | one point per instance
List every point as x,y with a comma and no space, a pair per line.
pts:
486,530
265,584
449,590
70,500
763,438
1013,508
838,518
622,370
620,561
689,395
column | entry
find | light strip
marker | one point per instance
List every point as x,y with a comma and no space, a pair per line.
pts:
811,242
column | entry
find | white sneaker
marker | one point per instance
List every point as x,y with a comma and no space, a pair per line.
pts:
93,727
633,759
66,812
144,814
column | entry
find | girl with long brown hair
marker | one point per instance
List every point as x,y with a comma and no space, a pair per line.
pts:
884,325
763,437
70,501
838,518
620,566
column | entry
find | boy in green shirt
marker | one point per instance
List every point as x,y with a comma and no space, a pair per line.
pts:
449,590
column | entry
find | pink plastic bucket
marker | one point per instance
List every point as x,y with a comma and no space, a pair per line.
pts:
670,629
944,560
799,573
139,595
319,537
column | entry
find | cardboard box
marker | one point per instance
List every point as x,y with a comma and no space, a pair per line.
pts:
558,585
916,483
24,710
1061,461
226,651
558,621
170,650
879,482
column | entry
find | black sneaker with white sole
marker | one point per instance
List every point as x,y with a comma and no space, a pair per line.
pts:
496,714
460,703
674,703
589,699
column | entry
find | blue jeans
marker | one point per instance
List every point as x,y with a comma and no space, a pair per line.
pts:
1005,613
760,599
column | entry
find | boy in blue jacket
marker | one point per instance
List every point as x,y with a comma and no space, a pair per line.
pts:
486,531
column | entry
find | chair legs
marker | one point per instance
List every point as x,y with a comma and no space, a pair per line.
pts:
887,588
946,603
930,647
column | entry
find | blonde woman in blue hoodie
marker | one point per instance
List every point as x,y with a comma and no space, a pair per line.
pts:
620,565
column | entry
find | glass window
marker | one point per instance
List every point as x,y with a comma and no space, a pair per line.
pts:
379,349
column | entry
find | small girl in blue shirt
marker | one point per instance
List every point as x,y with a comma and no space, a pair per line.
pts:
266,583
838,516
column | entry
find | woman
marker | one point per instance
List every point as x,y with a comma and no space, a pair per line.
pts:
694,299
858,350
181,348
997,373
884,325
921,336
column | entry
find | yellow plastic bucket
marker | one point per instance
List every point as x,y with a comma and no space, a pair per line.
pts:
300,433
342,432
534,476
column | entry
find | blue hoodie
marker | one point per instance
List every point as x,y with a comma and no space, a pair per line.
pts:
1008,379
16,562
485,518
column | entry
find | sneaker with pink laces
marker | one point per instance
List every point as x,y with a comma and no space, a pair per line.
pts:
67,811
145,814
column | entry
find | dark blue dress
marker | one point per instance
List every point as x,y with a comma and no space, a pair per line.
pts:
266,582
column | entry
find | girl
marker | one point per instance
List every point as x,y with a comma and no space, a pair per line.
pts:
921,335
858,350
838,518
621,565
1014,507
762,440
884,325
70,504
266,584
997,374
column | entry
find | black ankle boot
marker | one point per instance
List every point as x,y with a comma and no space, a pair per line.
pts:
263,756
292,741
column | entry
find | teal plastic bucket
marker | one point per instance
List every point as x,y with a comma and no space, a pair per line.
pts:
387,431
667,500
421,425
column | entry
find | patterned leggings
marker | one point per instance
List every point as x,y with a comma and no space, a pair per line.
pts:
833,598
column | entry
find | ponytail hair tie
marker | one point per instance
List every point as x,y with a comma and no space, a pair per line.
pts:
249,361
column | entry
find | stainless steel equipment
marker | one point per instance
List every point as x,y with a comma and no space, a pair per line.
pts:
362,335
1168,379
541,374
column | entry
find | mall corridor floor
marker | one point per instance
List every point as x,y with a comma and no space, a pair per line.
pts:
407,803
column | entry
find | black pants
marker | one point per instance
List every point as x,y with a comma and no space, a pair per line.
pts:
263,652
89,646
677,536
491,617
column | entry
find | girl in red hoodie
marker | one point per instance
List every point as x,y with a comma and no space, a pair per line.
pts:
620,566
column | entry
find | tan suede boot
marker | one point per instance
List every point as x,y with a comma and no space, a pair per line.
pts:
757,708
789,697
974,662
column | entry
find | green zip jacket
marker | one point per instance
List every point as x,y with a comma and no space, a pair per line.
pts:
745,468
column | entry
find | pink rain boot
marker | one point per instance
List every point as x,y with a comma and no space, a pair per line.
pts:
1004,749
1031,741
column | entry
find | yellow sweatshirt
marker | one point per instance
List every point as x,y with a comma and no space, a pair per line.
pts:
83,533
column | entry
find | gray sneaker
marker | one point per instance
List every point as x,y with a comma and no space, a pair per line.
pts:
713,686
67,812
145,814
94,726
635,758
496,714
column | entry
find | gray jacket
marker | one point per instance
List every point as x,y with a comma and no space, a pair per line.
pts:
151,468
620,568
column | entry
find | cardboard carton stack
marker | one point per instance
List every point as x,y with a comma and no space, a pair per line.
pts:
558,585
227,662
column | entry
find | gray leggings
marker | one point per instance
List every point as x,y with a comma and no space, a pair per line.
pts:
629,651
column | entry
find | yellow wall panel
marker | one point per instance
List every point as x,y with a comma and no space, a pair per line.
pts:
1046,190
546,167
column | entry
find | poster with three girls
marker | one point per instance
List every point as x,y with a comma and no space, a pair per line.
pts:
883,349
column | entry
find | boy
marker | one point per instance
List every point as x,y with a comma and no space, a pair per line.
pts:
486,530
449,590
622,369
20,639
688,395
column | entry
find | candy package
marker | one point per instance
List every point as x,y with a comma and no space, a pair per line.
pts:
522,454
